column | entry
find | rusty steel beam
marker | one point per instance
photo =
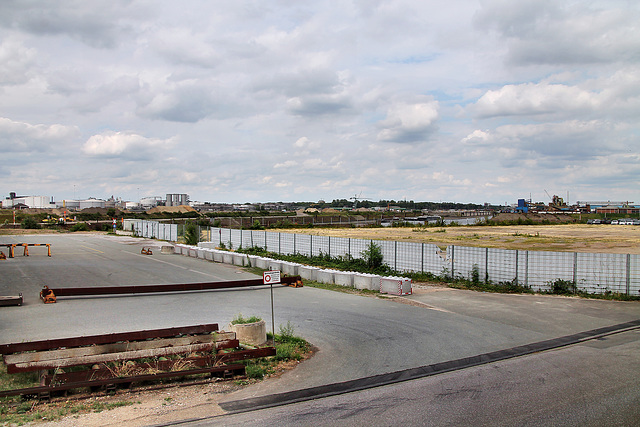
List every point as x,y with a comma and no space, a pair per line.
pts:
143,289
236,369
106,338
104,372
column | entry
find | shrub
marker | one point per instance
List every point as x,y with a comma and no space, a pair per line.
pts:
372,256
81,226
30,223
239,320
563,287
191,233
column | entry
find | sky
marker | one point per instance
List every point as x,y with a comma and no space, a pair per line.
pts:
256,101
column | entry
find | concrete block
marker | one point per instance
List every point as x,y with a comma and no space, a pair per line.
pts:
325,276
275,265
290,268
308,272
227,257
217,255
239,259
395,285
263,263
250,333
343,278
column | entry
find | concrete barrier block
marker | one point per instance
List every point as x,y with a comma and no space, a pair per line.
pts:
290,268
239,259
227,258
208,254
395,285
252,260
192,251
200,253
325,276
263,263
343,278
275,265
217,255
308,272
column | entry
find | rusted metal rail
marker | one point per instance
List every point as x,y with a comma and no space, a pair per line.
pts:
106,338
183,287
110,359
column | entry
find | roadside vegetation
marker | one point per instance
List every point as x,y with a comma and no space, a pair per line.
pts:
371,261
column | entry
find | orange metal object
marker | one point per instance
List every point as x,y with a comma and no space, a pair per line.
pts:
47,296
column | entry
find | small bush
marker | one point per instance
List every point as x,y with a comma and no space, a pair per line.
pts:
373,256
81,226
30,223
239,320
563,287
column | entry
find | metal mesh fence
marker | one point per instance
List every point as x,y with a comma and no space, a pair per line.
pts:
538,270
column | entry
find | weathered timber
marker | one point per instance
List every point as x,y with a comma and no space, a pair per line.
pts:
106,338
67,353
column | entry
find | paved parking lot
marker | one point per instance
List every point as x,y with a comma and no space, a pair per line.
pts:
357,336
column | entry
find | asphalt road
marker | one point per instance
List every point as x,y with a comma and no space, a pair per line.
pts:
356,336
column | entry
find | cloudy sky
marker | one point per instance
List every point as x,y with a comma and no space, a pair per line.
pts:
246,101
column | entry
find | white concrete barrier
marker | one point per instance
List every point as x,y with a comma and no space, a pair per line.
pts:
343,278
239,259
262,262
275,265
325,276
308,272
395,286
217,255
227,257
366,281
290,268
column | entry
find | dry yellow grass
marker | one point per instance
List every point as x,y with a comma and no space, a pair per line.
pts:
566,238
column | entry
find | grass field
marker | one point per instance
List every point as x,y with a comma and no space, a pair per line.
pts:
564,238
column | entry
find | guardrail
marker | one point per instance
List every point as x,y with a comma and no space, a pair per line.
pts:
11,247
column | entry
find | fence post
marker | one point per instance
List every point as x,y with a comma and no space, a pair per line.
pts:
526,269
329,246
279,251
395,255
422,259
349,247
266,246
230,243
575,268
294,243
486,265
453,257
628,273
251,238
517,253
311,245
241,240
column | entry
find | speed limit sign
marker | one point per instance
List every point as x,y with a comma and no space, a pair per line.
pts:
271,277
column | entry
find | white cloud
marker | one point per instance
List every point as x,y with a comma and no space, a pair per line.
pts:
122,144
20,137
409,122
16,61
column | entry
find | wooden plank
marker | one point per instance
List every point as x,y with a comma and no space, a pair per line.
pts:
106,338
109,357
42,356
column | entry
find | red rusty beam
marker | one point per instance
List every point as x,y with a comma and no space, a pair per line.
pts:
104,372
238,368
106,339
182,287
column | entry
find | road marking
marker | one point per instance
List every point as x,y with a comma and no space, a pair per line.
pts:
91,249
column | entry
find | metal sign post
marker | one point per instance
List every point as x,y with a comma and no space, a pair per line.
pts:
269,278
